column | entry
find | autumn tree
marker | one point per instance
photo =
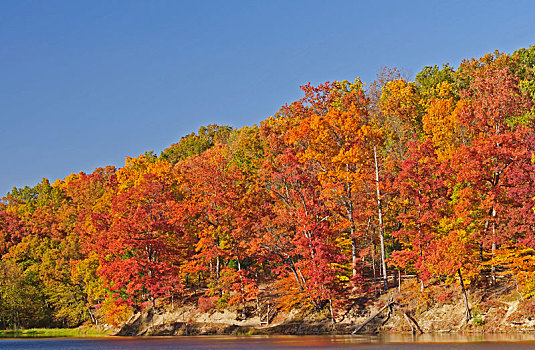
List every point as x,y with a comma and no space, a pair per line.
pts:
139,244
496,147
338,139
196,143
219,211
298,232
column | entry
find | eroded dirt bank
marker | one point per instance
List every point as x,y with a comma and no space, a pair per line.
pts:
438,308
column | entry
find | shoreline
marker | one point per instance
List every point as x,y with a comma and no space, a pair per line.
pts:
212,329
80,332
302,329
434,336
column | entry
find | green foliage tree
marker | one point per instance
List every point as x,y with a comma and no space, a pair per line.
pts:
196,144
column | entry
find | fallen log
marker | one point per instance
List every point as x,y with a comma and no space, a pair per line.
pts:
371,318
409,322
415,323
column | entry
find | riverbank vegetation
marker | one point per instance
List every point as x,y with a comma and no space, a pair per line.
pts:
327,204
52,333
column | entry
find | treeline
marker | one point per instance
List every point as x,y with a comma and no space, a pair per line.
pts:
317,205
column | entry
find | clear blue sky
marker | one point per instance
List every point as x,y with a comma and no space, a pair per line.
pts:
85,83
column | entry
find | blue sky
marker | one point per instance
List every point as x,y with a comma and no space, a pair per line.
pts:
85,83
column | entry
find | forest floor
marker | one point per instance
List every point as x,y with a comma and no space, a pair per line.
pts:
439,308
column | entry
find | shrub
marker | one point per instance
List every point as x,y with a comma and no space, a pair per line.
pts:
207,303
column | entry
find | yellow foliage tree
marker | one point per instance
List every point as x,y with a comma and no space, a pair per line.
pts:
340,142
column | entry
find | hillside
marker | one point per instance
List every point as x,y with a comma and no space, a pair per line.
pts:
316,212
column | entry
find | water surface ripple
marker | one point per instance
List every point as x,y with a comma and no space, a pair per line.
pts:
426,341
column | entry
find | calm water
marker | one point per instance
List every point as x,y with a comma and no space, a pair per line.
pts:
435,342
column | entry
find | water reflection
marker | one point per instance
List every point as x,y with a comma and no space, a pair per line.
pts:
361,342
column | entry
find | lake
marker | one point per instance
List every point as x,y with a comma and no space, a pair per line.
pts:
426,341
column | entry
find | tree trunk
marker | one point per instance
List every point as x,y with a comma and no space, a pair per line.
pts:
331,310
218,274
349,211
93,318
217,268
243,311
353,252
493,268
372,252
468,314
371,318
380,214
409,322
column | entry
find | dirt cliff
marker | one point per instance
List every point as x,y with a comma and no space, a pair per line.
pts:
438,307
